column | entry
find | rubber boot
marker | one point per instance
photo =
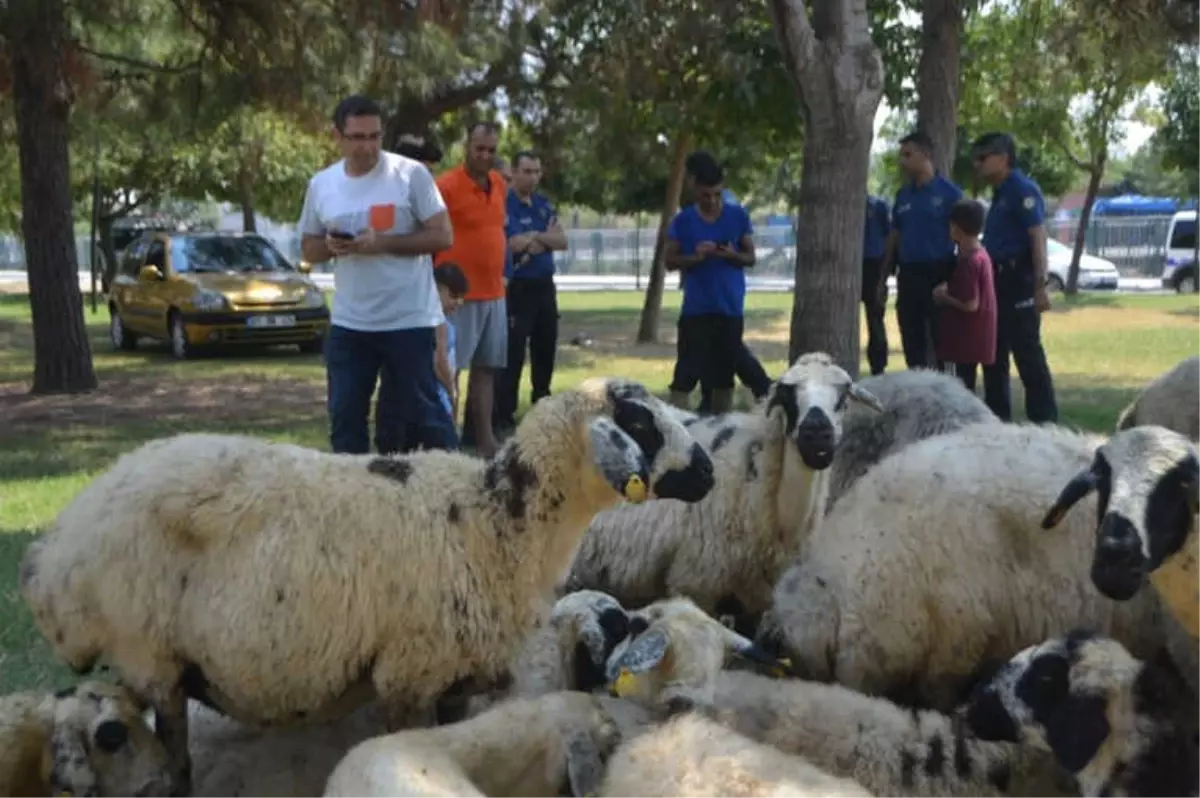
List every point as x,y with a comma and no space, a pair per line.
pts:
681,400
722,401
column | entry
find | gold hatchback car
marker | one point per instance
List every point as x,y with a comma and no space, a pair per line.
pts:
204,289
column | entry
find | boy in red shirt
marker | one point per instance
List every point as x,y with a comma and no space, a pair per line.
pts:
967,327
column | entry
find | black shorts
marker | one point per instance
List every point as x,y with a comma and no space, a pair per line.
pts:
707,348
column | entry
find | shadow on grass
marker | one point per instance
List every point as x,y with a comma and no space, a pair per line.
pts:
1191,312
26,660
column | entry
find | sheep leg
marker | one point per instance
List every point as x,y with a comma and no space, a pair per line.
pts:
171,726
585,768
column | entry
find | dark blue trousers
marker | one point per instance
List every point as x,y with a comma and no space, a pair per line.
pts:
409,414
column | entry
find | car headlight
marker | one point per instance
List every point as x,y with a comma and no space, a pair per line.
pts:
315,298
209,300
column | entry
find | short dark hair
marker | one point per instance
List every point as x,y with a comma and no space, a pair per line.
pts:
451,276
488,127
419,148
996,142
967,215
530,154
709,174
354,105
699,159
919,139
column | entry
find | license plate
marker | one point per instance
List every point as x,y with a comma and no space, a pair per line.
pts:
271,321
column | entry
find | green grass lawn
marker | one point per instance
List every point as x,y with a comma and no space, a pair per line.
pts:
1102,349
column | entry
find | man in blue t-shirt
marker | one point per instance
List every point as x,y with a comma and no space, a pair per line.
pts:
1015,237
533,236
919,246
711,243
876,227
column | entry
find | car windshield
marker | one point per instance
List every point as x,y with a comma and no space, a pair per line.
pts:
227,254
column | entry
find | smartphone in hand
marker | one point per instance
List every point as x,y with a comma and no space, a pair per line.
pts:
341,234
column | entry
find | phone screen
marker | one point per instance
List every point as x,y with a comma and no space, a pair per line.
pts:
340,234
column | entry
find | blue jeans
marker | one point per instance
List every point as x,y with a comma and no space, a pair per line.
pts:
408,414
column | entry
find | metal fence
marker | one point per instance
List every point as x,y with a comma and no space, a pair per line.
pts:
1137,246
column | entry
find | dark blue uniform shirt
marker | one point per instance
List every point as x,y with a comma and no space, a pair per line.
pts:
536,216
876,228
921,215
715,285
1017,205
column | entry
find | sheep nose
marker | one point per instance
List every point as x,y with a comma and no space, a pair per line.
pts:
1119,544
815,439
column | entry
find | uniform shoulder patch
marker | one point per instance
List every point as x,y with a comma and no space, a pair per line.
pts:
1028,203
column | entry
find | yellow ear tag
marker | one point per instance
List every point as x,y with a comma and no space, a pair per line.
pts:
783,666
635,489
625,684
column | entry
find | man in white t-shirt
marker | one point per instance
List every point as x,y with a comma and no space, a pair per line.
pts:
380,216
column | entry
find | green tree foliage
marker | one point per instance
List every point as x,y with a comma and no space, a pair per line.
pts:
1179,137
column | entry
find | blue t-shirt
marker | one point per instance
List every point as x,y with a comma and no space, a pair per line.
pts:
534,217
714,285
876,226
921,215
451,340
1017,205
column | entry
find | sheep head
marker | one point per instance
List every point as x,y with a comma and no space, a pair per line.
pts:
1146,482
1087,700
101,744
642,449
808,401
592,623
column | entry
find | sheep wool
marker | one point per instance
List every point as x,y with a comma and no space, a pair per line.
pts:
917,404
726,551
280,584
936,566
523,746
1172,400
693,756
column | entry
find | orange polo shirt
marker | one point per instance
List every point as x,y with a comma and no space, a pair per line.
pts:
477,217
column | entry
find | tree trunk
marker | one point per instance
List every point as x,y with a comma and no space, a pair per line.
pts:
1085,218
104,235
249,225
839,74
652,307
37,33
938,78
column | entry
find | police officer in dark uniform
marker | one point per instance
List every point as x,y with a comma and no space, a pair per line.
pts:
1015,238
876,227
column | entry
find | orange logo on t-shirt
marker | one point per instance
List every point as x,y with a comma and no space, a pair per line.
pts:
382,218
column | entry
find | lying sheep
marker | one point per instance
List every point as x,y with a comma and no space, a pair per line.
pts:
887,749
348,576
918,404
534,746
569,652
726,551
1116,723
935,567
91,739
1147,481
693,756
1172,400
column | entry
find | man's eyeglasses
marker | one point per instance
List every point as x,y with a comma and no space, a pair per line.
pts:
375,136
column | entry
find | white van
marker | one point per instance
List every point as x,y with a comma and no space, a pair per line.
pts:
1180,272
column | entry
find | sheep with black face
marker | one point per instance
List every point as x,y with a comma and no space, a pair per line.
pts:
348,576
726,551
1113,721
1146,481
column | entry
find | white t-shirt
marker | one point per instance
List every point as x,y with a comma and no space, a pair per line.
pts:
374,293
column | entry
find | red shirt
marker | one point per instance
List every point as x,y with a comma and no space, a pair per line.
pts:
970,337
477,217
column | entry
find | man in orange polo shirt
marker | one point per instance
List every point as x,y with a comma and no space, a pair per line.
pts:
475,194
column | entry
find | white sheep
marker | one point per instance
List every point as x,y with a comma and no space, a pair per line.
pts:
1147,481
726,551
673,668
570,650
1116,723
524,746
1171,400
693,756
91,739
278,584
935,566
917,404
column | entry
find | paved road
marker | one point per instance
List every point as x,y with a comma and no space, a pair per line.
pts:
14,281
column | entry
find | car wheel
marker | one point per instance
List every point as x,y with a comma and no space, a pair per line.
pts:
313,346
121,338
1186,283
1054,284
180,347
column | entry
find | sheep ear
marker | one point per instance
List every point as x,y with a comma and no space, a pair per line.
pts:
1077,729
1189,480
619,459
645,653
585,767
1080,485
865,397
69,770
748,649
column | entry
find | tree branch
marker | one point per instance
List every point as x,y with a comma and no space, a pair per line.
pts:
796,36
138,63
1079,163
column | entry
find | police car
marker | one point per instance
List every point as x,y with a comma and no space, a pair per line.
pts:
1179,273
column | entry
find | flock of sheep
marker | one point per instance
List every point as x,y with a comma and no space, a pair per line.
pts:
855,588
